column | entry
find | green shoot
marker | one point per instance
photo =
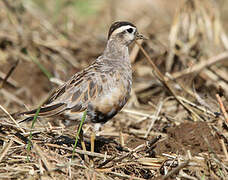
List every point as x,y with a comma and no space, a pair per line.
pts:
78,132
42,68
30,135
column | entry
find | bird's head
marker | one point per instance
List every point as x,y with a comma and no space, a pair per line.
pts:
124,32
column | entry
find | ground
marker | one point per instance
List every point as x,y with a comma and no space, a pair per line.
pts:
174,125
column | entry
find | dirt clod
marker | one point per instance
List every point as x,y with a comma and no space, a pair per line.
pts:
194,136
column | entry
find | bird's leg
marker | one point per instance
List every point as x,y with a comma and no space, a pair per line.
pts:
95,130
83,144
82,140
92,140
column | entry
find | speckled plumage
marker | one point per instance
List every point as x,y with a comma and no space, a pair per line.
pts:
103,88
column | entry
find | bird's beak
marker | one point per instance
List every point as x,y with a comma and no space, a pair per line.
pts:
140,36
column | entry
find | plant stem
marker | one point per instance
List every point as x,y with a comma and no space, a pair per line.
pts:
78,132
30,135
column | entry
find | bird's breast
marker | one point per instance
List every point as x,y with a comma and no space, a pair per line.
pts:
110,101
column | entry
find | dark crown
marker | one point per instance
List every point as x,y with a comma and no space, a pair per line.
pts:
117,25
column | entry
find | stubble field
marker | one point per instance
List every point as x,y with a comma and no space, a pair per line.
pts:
175,125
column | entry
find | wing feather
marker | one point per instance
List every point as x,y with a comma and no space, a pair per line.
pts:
76,93
47,111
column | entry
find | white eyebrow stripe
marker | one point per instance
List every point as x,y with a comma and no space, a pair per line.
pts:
122,28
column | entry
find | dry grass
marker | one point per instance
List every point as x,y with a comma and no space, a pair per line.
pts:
175,124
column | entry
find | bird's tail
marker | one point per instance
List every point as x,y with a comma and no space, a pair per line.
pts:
44,111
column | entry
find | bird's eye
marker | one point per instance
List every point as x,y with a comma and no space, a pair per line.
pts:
130,30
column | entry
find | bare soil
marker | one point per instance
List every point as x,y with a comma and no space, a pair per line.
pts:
195,137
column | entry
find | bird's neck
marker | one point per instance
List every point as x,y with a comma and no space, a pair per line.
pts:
116,50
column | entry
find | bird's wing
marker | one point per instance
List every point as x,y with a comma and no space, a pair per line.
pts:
75,95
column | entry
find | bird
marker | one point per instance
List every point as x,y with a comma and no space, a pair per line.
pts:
103,88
